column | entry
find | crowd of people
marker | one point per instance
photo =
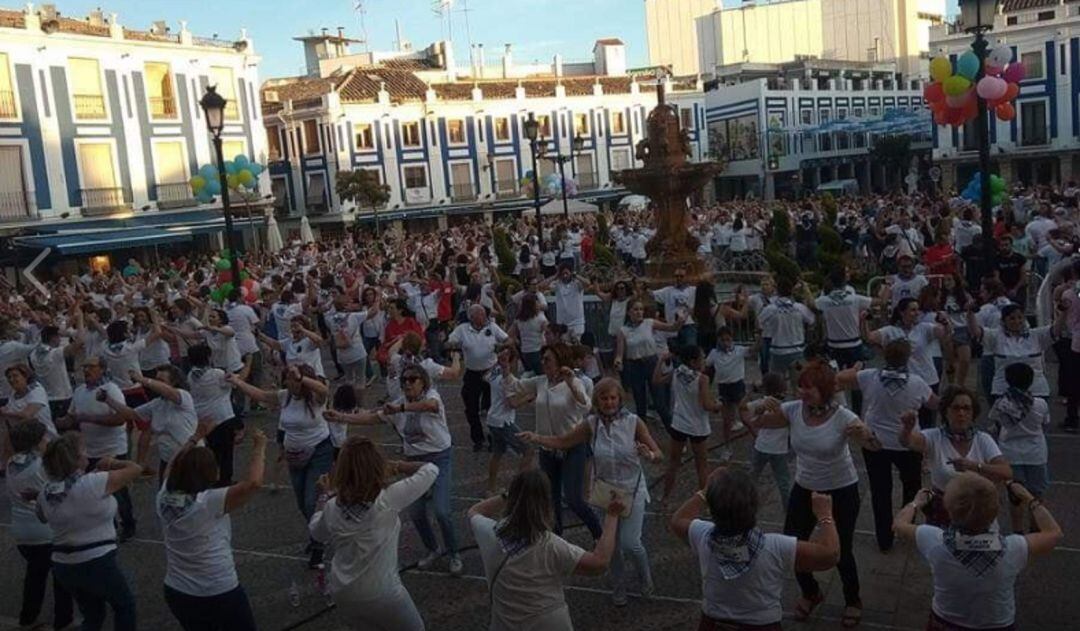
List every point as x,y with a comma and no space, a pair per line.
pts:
111,377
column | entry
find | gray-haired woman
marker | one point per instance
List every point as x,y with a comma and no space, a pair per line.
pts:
525,562
743,570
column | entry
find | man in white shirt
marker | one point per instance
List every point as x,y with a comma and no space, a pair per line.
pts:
784,322
477,340
678,301
906,283
570,300
48,360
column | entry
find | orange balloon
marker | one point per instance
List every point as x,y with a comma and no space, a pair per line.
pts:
1011,92
1005,111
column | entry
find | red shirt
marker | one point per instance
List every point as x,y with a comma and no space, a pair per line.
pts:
446,296
940,259
587,248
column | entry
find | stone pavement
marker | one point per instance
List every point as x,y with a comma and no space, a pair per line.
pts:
269,534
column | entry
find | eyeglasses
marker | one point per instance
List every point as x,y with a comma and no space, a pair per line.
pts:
410,378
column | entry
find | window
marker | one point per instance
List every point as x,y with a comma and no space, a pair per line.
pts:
1061,56
461,186
857,112
1033,61
222,78
311,137
545,125
618,123
273,143
686,118
1012,20
969,137
169,165
159,90
7,90
280,189
316,189
841,113
455,132
502,129
84,77
15,200
410,134
1033,123
415,177
99,184
581,124
806,117
365,136
1045,15
505,180
620,160
585,173
232,148
874,111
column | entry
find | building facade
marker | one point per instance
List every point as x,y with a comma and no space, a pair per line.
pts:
1040,144
890,31
448,147
784,129
99,120
671,31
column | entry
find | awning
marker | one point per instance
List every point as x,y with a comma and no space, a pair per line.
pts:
103,241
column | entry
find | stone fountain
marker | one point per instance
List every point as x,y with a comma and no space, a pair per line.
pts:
668,179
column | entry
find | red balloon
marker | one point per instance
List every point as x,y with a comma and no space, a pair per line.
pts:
971,109
224,276
1011,92
1005,111
933,92
248,283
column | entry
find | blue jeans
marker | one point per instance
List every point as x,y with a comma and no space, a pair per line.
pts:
567,476
303,478
228,611
94,584
781,474
531,362
637,378
438,497
628,544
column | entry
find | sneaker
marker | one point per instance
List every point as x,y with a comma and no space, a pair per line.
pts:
647,590
429,560
456,566
315,561
618,597
737,426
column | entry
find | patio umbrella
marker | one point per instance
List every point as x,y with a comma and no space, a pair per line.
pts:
273,236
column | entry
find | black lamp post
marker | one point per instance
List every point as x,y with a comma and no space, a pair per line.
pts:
561,160
213,105
977,16
532,132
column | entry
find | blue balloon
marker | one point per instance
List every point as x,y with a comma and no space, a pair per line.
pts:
967,65
204,197
213,186
208,172
255,168
241,161
231,168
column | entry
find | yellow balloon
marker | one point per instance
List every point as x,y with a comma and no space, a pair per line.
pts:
233,181
955,85
197,183
245,177
940,68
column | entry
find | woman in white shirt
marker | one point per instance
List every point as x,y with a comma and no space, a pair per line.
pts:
123,356
155,350
820,430
743,570
80,509
560,402
954,447
1023,420
528,330
25,478
28,401
49,362
525,563
618,439
303,435
635,357
975,568
1016,342
360,518
419,417
211,392
202,589
220,337
301,345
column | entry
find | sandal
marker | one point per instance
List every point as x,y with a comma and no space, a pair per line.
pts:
805,606
852,616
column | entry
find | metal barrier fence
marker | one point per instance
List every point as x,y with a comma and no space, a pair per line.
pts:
1031,297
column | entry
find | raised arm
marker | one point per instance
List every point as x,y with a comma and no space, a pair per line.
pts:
159,388
577,435
908,436
822,551
904,523
239,493
268,398
1049,534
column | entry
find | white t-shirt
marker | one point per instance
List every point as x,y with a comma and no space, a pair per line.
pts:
1023,443
784,323
304,428
35,395
244,322
478,346
25,473
1024,349
198,543
677,301
398,362
51,370
570,305
901,288
350,324
122,358
883,404
841,310
422,432
729,366
617,315
823,461
303,352
84,516
939,451
528,591
688,416
501,413
12,353
961,596
639,341
224,351
212,394
283,315
99,440
755,596
770,440
531,332
921,337
171,423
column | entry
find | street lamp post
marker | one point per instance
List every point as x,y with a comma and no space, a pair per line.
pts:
978,18
213,105
532,132
561,160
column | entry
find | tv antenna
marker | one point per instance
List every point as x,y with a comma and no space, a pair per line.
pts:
361,14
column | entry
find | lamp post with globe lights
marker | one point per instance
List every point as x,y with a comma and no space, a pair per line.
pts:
532,133
213,106
977,16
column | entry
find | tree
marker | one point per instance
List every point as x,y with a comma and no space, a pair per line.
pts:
893,152
362,187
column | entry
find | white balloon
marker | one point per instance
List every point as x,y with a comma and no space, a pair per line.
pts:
1000,55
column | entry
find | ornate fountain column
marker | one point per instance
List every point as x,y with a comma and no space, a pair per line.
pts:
668,180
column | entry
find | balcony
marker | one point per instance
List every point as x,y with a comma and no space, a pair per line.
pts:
162,107
507,190
177,195
232,111
7,104
89,106
462,192
16,205
315,202
587,181
417,196
102,201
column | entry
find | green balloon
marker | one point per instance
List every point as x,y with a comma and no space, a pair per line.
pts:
226,289
223,264
243,275
217,295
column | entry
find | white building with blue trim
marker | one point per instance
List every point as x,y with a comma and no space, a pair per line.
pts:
100,128
449,140
1040,145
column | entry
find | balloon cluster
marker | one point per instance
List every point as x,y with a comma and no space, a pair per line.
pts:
952,94
225,284
241,175
973,192
526,184
552,185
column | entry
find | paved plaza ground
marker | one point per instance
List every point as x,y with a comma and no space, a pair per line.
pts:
269,534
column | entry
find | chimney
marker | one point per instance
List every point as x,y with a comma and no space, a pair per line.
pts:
482,61
96,18
341,32
508,62
558,65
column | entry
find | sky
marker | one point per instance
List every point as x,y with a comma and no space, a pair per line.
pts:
538,29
